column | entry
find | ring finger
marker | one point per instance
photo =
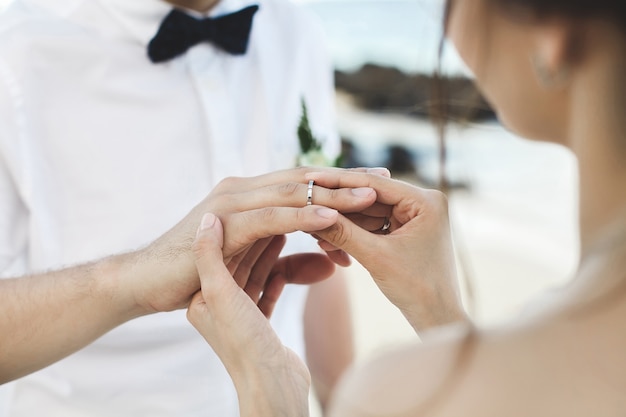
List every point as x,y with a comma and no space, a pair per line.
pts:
347,200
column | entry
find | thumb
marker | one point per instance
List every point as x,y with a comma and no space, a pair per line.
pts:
209,237
207,248
353,239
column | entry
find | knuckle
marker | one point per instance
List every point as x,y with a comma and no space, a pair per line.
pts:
439,199
301,217
338,235
255,281
195,310
245,267
227,184
303,170
288,190
239,230
192,314
437,204
269,215
201,247
333,194
220,201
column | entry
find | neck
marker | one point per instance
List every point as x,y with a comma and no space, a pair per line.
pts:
598,139
201,6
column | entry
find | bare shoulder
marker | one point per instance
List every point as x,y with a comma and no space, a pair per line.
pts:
514,371
407,380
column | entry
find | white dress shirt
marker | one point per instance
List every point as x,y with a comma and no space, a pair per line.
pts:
102,151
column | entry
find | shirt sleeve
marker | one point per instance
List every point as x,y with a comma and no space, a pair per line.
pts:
13,213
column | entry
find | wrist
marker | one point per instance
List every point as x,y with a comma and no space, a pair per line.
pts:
153,279
273,390
266,397
115,277
424,319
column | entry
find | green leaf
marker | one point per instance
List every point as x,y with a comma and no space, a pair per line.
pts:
308,142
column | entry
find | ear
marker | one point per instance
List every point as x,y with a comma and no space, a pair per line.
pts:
554,52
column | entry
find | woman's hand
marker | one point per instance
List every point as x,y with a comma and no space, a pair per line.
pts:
413,261
270,379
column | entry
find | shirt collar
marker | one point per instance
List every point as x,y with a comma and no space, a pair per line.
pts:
60,8
142,18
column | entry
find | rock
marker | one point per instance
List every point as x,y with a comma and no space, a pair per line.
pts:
387,89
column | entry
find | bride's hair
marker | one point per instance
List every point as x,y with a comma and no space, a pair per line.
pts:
611,10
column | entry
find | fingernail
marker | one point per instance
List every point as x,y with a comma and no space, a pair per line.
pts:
208,221
362,192
326,212
382,171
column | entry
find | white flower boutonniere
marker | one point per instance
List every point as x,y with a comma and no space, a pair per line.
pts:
311,153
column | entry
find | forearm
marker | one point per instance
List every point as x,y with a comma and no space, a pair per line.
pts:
328,334
48,316
276,392
433,306
422,322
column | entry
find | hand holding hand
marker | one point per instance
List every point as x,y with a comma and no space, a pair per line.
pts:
250,210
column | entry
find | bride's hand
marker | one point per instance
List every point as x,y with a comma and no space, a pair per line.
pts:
270,379
413,261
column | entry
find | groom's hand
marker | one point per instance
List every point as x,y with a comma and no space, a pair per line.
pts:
262,273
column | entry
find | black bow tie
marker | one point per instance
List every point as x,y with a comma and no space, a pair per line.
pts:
179,32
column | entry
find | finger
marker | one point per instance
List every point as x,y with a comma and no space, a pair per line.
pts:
335,254
293,194
349,237
252,256
304,268
197,310
216,281
258,274
234,261
377,210
388,191
339,257
372,224
197,302
296,175
381,171
243,229
271,294
327,246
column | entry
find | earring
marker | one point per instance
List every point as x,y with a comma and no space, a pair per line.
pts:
549,77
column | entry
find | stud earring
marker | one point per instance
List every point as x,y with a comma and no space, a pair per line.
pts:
549,77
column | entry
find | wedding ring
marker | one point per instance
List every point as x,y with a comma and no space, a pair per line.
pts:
386,225
309,193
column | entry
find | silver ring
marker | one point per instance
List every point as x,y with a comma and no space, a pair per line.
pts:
386,225
309,193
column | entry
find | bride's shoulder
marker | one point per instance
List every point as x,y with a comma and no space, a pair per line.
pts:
402,381
455,370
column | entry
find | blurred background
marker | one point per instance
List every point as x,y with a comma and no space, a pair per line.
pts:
512,202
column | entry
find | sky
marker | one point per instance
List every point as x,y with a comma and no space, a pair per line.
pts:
400,33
